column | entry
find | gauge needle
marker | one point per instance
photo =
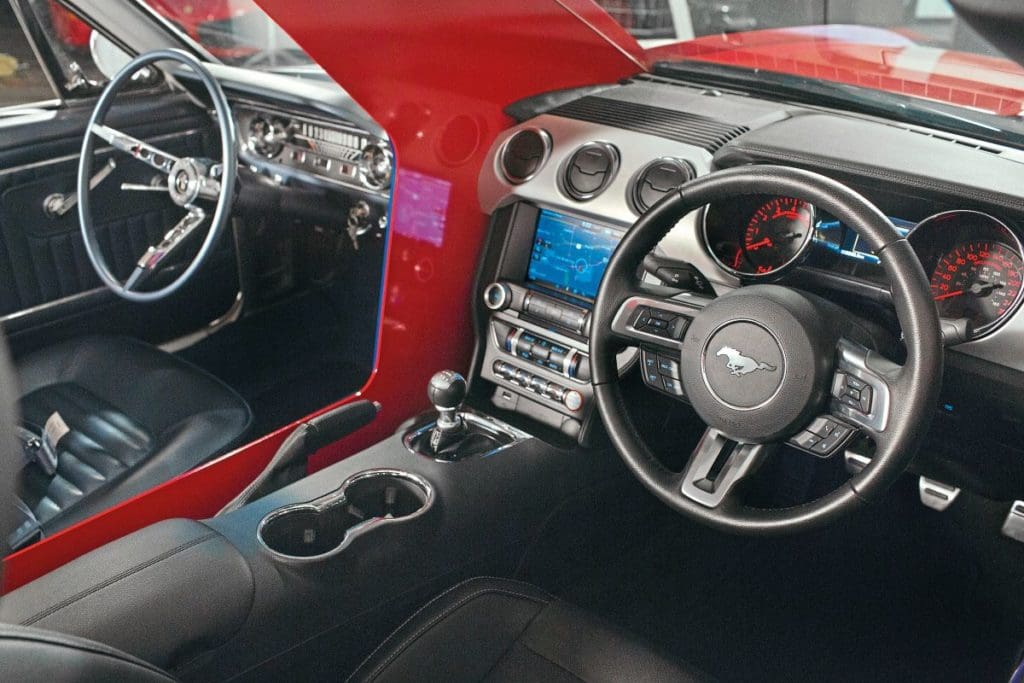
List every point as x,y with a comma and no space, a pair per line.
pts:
949,295
766,242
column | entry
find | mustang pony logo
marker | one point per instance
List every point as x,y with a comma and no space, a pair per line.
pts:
740,364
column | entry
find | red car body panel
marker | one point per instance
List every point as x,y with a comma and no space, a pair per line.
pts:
436,75
867,57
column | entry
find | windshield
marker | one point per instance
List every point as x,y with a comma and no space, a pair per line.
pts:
236,32
916,49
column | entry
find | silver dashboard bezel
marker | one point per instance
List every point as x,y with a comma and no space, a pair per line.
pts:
772,275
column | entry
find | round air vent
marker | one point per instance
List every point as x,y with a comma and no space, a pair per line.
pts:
657,179
524,154
590,170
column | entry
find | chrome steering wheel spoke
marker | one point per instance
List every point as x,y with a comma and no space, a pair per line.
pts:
150,262
143,151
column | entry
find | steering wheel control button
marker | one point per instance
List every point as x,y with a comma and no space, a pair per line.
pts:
823,437
661,371
660,323
743,365
672,386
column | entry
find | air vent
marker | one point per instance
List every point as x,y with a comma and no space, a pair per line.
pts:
657,179
590,169
691,129
946,137
524,154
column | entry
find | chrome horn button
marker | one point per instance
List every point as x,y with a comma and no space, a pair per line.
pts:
185,181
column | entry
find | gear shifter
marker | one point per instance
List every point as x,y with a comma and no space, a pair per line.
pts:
447,390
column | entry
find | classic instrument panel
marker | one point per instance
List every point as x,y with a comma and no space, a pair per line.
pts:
286,145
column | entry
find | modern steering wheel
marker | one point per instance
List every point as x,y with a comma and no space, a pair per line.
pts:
192,183
759,364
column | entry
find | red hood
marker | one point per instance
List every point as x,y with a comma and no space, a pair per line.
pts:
868,57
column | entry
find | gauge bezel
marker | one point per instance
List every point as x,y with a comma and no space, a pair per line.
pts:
1016,244
792,262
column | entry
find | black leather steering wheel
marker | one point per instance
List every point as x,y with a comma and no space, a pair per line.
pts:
192,183
760,363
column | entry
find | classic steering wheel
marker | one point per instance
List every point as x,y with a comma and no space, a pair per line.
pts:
759,364
191,182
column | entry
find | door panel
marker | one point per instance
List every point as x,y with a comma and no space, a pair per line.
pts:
48,288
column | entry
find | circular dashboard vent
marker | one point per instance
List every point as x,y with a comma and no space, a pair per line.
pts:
590,170
524,154
657,179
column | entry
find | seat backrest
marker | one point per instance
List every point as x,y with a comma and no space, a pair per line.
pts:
28,654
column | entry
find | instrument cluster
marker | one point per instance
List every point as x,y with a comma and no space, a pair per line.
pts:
974,261
287,144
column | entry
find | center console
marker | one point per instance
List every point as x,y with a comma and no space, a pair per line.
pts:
538,294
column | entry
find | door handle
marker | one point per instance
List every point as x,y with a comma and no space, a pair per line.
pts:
57,204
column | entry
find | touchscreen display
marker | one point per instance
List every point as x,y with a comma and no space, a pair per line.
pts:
570,254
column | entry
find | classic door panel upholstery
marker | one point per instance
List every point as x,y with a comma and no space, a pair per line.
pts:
43,259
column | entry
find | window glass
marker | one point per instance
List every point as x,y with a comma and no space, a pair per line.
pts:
22,79
68,38
236,32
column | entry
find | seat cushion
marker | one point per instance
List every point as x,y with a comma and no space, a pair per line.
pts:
489,629
137,415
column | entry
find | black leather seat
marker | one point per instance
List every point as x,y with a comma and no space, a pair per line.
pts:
500,630
29,654
137,415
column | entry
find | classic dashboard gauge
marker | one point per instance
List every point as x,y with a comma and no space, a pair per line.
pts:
759,235
975,266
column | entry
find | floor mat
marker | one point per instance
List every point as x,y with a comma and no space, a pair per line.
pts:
862,601
287,361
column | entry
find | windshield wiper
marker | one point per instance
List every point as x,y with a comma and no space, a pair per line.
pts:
775,85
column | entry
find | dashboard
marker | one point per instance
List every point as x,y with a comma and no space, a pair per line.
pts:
564,185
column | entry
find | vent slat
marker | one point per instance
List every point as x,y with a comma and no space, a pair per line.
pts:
680,126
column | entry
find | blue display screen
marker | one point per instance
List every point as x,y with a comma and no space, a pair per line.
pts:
570,254
836,237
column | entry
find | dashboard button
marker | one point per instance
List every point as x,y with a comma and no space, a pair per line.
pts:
806,439
573,400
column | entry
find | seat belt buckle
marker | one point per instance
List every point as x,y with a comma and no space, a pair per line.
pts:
54,430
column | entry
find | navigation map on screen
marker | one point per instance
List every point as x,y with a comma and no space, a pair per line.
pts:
570,254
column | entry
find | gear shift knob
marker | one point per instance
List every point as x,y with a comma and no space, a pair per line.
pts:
447,390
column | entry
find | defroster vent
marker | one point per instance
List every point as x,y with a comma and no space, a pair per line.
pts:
691,129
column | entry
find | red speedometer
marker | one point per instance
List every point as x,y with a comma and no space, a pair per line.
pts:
979,280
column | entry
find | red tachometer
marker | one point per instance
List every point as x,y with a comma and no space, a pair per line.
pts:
777,233
979,280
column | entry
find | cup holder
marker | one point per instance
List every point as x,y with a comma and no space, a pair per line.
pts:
325,526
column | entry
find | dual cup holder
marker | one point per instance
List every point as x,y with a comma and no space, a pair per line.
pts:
321,528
